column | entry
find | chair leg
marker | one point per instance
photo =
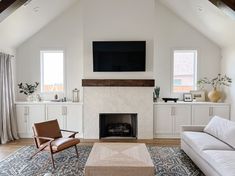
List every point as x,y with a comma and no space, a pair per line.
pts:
52,160
39,150
76,150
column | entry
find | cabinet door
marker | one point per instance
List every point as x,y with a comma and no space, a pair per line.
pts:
222,111
74,119
181,116
22,115
36,114
201,114
163,124
57,112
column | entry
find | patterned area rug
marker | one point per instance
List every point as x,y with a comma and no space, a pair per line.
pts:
168,161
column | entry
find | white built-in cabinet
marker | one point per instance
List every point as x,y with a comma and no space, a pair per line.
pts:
69,116
169,117
26,116
58,112
202,114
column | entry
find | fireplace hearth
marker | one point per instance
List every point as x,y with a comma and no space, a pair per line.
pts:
118,125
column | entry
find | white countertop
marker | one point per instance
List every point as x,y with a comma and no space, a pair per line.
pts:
188,103
47,102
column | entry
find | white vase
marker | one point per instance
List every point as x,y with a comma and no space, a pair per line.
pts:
30,98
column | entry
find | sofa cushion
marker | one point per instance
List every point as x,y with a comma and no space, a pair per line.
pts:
203,141
223,161
222,129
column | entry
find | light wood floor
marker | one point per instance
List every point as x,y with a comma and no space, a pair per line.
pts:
11,147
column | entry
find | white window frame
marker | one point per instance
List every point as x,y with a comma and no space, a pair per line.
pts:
42,71
196,51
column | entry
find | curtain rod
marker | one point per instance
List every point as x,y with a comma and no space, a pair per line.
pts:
5,53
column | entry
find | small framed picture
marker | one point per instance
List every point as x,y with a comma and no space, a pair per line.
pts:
188,97
198,95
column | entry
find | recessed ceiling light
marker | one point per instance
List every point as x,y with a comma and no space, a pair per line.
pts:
199,8
36,9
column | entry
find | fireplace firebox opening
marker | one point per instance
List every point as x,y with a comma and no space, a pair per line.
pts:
118,125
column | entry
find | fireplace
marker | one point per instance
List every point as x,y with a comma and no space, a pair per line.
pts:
118,125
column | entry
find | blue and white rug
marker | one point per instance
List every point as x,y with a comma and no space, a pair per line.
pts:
168,161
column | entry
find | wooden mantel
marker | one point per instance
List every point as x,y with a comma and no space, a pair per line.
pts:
118,83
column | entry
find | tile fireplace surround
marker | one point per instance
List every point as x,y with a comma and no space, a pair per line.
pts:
123,99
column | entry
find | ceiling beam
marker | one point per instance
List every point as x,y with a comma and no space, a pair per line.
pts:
227,6
228,3
7,7
4,4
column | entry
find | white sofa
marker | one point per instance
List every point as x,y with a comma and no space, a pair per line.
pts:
211,147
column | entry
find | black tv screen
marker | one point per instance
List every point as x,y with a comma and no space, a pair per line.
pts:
119,56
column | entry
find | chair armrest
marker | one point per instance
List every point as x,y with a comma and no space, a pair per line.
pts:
196,128
44,145
72,135
69,131
46,138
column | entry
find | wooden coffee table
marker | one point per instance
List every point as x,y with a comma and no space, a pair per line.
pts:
119,159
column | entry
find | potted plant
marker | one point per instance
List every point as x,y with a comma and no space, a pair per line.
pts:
156,94
215,95
28,89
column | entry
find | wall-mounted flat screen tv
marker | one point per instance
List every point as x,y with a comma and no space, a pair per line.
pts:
119,56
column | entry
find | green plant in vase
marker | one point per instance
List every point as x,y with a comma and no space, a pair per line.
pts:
156,94
28,89
215,95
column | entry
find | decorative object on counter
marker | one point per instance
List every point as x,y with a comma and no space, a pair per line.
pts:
156,93
75,95
170,99
28,89
64,99
154,97
198,95
215,95
56,97
187,97
38,97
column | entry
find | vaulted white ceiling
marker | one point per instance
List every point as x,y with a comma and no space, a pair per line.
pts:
201,14
206,18
29,19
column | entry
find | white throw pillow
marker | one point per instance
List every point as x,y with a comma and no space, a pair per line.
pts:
222,129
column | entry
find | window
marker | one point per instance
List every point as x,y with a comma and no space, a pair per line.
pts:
184,70
52,71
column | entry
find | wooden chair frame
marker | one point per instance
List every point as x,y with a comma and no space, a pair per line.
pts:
49,144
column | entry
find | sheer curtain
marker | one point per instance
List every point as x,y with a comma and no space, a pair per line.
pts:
8,126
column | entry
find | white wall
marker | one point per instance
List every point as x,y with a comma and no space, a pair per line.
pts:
93,20
173,33
227,67
118,20
65,32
